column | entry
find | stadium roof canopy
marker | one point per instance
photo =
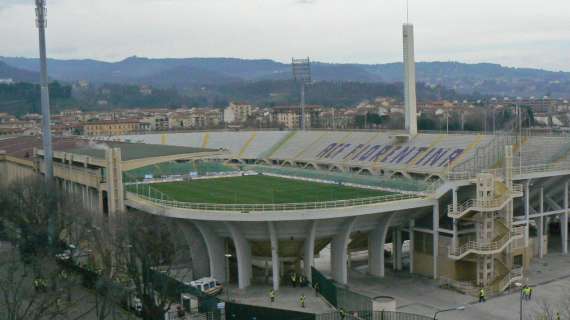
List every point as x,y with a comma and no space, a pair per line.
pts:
133,155
133,151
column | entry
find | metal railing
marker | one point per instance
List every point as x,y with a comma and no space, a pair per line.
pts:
487,248
485,157
484,205
540,168
498,286
372,315
140,191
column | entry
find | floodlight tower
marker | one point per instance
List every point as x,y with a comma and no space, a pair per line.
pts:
41,23
410,80
302,75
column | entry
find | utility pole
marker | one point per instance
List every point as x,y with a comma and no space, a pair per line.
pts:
41,23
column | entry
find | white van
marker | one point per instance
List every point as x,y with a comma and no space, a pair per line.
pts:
209,286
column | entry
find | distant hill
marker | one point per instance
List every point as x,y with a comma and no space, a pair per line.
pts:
16,74
483,78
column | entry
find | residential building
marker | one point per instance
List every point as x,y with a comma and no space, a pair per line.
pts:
289,116
237,112
110,128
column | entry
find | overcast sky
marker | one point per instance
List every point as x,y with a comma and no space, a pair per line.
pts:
520,33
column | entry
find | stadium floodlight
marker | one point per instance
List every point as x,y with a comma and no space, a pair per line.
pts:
41,23
302,75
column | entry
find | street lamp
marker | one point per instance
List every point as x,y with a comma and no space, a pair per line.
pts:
520,285
460,308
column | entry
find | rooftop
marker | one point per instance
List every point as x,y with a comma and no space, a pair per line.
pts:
22,147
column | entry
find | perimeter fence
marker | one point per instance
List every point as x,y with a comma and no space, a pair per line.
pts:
342,297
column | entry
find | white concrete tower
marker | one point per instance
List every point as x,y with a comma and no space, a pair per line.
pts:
410,80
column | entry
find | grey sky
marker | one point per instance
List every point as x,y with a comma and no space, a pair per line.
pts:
511,32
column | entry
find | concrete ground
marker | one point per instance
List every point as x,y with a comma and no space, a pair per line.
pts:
549,276
286,298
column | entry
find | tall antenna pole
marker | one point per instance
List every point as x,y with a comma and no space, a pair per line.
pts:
41,23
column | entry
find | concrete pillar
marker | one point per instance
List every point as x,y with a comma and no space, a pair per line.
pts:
274,254
411,244
309,251
197,248
564,221
216,251
394,249
455,205
541,225
100,200
376,241
339,248
435,239
399,244
243,254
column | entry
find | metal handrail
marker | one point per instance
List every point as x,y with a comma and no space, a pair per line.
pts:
484,205
490,247
164,201
470,288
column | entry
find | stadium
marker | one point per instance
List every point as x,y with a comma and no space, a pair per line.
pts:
470,210
474,209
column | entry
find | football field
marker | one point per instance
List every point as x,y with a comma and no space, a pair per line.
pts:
259,189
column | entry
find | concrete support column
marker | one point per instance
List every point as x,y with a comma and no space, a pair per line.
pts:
454,240
274,254
541,225
339,248
376,241
397,248
411,247
100,200
243,253
216,251
564,221
309,251
435,239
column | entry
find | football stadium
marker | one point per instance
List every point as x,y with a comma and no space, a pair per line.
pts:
474,210
468,210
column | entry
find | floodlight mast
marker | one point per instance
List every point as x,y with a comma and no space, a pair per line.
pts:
302,75
41,23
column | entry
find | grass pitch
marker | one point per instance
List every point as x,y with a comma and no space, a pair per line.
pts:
260,189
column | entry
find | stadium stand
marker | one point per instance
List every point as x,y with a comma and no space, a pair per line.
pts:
242,144
372,152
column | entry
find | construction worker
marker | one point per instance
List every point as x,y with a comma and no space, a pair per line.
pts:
271,295
530,293
526,292
294,279
316,289
302,300
301,281
482,295
342,313
37,284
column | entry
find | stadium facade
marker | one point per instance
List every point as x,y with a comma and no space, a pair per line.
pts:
476,209
486,206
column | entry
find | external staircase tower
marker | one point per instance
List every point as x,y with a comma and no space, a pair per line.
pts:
490,246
